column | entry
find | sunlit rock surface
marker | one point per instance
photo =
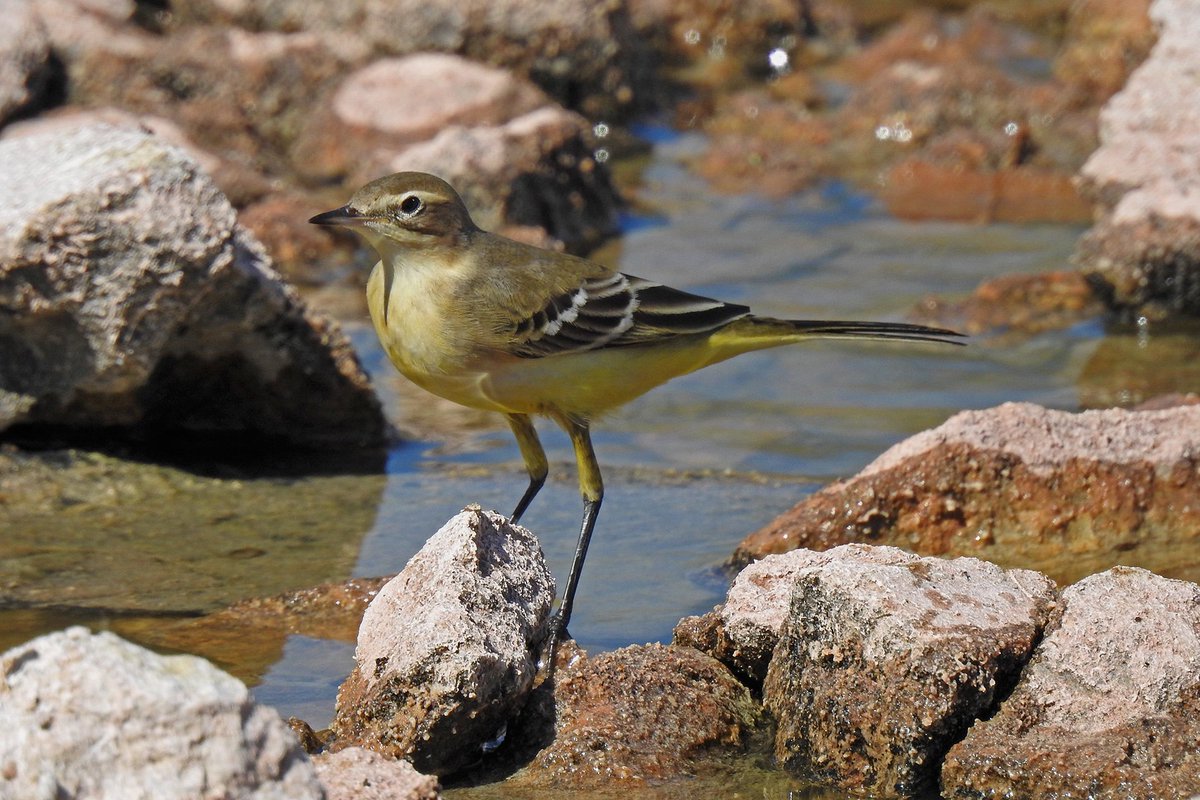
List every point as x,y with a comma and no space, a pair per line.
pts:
447,651
133,300
633,717
887,658
92,716
1146,178
359,774
1108,706
1020,485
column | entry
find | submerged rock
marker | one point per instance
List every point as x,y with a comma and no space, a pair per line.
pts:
93,716
1145,177
1107,708
886,658
1020,485
447,651
131,299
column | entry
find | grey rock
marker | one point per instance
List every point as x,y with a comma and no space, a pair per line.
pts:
887,658
1109,706
25,69
92,716
1146,178
447,651
359,774
130,298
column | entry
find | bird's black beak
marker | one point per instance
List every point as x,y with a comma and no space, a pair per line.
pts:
339,216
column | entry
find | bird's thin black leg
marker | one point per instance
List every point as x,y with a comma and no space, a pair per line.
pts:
534,457
591,487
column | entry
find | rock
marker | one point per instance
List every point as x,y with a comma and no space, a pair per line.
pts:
582,53
1019,303
447,651
934,118
636,717
133,301
887,658
1020,485
1107,708
743,631
240,186
536,170
93,716
1142,252
1103,42
25,63
397,102
359,774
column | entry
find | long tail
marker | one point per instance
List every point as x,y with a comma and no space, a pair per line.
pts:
755,333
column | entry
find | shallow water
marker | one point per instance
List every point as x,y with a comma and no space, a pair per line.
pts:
694,466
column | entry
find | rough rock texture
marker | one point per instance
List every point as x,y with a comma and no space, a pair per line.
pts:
24,59
635,716
447,651
1109,707
581,52
743,631
886,658
535,170
130,298
1146,178
359,774
93,716
1020,485
1019,304
397,102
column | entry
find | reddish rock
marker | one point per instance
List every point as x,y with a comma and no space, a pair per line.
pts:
635,717
1105,40
916,189
447,650
887,658
1068,494
583,53
1017,303
303,253
359,774
396,102
1144,177
1109,707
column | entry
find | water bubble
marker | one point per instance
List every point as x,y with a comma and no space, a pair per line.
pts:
601,155
1011,128
600,130
692,36
778,59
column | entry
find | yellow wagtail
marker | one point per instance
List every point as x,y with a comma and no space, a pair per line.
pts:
495,324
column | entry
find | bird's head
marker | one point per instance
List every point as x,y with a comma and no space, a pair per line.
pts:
405,211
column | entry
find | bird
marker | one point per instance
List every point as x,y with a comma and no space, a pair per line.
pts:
495,324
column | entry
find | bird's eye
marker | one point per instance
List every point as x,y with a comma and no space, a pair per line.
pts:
411,204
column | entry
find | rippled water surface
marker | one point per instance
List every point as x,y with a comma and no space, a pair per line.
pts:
692,467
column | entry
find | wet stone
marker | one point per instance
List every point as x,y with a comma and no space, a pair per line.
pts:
887,658
1107,708
1020,485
